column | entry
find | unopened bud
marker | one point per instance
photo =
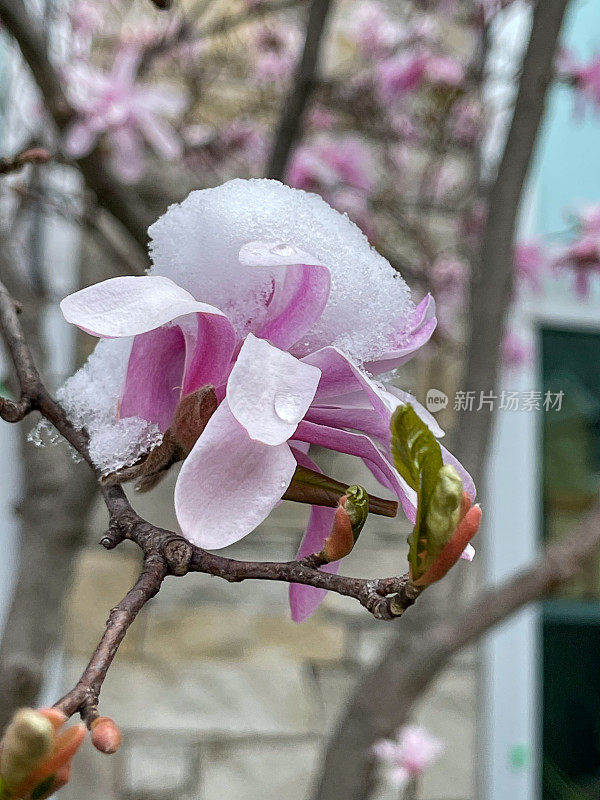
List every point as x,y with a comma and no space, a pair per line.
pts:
350,517
106,735
27,742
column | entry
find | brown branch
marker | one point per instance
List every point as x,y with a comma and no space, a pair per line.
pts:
291,118
84,695
120,200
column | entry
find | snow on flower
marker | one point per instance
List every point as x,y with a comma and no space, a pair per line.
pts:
278,301
129,113
409,754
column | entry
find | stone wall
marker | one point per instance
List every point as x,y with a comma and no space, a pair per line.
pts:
220,695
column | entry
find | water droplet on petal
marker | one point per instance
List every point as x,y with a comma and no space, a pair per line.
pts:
287,407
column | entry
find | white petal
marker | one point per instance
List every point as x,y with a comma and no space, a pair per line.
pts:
269,391
229,482
130,305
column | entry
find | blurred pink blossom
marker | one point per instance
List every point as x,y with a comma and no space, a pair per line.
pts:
372,29
129,113
585,78
582,256
326,163
399,76
409,754
515,352
467,121
449,278
277,50
530,260
444,71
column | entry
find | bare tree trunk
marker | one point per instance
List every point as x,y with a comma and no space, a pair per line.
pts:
293,110
386,696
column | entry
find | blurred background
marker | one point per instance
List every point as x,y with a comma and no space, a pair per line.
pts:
398,115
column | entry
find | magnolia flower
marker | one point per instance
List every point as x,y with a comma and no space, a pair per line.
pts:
115,104
409,754
279,303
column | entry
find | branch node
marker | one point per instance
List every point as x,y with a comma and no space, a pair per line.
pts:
178,555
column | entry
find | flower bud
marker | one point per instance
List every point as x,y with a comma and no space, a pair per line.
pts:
106,735
349,519
27,742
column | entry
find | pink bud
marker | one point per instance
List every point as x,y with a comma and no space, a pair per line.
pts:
106,735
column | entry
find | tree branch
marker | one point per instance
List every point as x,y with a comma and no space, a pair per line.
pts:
293,110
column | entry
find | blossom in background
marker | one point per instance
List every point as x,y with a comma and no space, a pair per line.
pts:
341,170
279,302
582,256
407,72
530,260
129,113
515,352
276,52
449,280
372,29
409,754
584,77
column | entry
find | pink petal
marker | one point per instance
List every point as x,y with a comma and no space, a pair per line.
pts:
229,483
341,376
154,375
269,391
296,305
80,138
161,136
357,444
299,302
127,153
422,326
129,306
210,343
125,66
304,600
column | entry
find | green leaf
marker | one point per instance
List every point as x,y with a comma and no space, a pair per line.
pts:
418,458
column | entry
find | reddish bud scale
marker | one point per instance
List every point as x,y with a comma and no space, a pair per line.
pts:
106,735
465,531
341,539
